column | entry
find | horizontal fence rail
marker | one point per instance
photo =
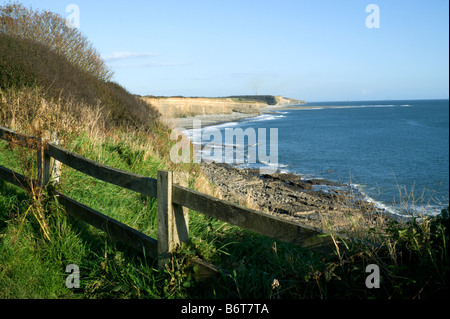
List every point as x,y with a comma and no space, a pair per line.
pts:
115,229
258,222
19,138
138,183
13,177
174,198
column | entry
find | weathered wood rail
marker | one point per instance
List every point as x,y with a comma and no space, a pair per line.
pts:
173,199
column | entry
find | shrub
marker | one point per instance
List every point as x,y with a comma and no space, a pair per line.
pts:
50,29
27,64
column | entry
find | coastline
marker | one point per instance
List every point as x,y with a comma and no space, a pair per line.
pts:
215,119
310,212
207,119
318,203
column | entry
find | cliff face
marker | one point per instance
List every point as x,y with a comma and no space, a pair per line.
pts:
184,107
286,101
268,99
173,107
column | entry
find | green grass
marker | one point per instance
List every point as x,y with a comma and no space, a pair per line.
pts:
253,266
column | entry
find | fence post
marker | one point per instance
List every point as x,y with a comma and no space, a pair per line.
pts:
55,166
49,169
180,227
173,220
43,163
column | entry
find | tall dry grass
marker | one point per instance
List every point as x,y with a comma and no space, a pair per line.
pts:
28,110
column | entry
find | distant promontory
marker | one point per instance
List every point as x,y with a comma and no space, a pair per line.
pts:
179,106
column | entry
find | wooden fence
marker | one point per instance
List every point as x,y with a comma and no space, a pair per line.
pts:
173,201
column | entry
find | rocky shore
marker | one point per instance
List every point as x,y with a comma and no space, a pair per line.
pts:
316,202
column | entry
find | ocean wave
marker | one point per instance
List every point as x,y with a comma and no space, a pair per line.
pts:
222,125
382,105
421,210
195,134
404,211
378,204
265,117
273,164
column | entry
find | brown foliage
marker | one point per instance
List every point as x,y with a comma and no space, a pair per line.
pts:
24,63
50,29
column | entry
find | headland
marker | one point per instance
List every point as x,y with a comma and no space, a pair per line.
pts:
180,112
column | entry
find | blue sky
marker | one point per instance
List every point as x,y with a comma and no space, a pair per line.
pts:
317,50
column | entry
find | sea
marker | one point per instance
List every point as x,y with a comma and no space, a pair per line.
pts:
394,153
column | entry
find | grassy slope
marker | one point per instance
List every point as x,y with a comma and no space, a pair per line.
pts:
256,267
33,267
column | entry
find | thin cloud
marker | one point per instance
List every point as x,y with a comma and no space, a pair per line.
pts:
146,65
126,55
199,78
245,75
115,56
365,91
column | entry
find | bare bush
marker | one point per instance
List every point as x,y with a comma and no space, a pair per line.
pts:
27,64
50,29
38,51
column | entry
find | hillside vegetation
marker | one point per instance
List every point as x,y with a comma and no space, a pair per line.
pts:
52,80
49,29
63,70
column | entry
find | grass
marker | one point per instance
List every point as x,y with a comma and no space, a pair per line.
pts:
413,257
413,261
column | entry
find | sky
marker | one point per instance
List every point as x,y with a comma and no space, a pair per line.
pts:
315,50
